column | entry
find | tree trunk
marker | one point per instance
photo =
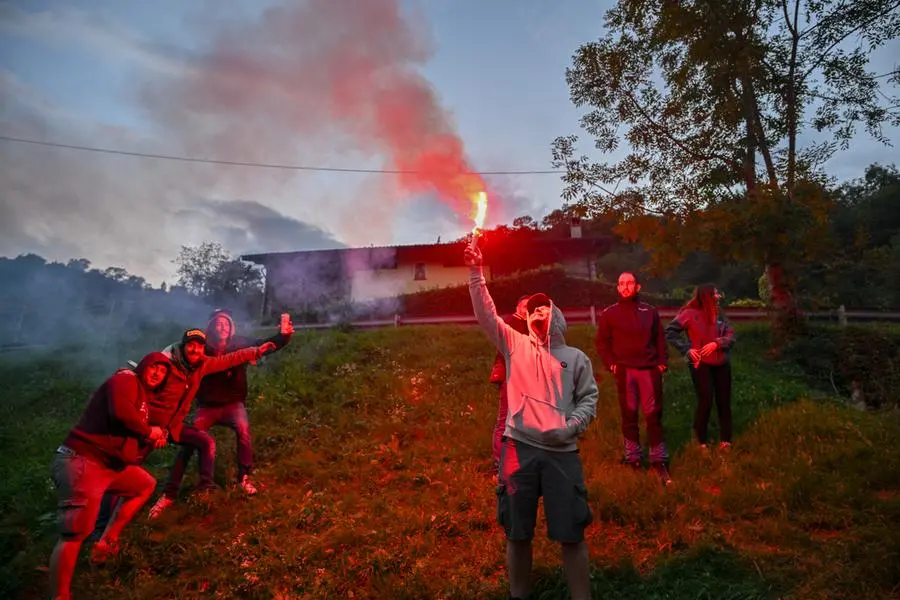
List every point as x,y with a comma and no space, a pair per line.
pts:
786,319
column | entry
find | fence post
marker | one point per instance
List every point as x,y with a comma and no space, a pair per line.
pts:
593,315
842,315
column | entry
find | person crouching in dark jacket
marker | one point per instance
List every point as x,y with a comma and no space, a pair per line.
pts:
101,453
519,322
221,400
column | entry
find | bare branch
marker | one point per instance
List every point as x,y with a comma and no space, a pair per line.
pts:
683,145
792,27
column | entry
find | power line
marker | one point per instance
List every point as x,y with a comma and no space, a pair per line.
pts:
236,163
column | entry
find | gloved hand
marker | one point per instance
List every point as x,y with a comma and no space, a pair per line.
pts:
265,349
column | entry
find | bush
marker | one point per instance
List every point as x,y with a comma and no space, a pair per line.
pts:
862,356
747,303
566,291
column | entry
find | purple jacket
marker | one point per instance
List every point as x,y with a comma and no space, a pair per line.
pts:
700,332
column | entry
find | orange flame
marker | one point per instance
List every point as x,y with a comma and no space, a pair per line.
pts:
479,208
479,205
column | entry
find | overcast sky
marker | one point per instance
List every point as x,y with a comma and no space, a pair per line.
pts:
295,83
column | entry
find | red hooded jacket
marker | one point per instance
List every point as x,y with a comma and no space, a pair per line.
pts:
113,428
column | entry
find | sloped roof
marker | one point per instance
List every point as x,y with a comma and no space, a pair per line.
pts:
522,253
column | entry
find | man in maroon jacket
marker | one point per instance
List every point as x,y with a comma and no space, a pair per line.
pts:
101,453
221,400
631,342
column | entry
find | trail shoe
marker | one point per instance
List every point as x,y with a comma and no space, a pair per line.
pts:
104,550
634,464
663,472
725,446
247,486
161,505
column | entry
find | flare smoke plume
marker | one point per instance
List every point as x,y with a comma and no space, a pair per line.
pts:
332,81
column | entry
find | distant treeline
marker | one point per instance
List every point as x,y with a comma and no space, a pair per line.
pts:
47,303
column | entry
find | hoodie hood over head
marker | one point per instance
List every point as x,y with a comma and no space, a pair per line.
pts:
152,359
211,334
556,328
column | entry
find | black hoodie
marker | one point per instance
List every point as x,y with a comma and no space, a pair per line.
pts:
230,386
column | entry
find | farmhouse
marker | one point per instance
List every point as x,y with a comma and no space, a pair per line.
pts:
375,273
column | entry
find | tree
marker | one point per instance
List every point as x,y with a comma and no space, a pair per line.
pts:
711,96
209,271
525,222
79,264
198,265
116,274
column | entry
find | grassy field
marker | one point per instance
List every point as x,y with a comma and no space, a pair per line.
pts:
373,455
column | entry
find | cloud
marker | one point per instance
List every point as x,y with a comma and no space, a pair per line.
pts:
324,83
246,226
114,210
72,27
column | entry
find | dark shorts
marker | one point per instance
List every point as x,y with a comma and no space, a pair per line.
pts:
526,474
81,483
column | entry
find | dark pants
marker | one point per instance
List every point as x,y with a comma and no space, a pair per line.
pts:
712,382
641,390
500,425
527,474
196,438
192,440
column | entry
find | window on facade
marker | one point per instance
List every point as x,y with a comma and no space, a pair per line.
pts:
420,272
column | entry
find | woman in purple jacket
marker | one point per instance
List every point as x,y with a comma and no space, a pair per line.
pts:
707,349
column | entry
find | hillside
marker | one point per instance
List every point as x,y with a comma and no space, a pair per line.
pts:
373,451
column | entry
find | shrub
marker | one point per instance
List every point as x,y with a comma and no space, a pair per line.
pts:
566,291
863,356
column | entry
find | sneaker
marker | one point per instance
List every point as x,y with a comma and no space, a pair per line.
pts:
162,504
704,447
247,486
725,446
663,472
104,550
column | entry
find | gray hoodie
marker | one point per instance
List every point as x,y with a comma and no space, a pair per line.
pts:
550,385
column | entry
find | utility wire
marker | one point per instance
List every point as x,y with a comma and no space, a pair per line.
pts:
235,163
281,166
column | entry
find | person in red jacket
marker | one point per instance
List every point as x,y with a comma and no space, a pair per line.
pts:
190,365
631,343
221,400
101,453
170,406
519,322
708,351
